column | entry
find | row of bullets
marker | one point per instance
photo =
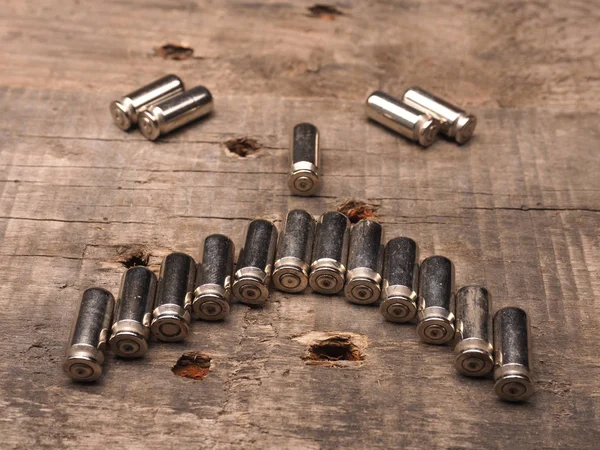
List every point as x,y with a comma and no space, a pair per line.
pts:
164,105
329,255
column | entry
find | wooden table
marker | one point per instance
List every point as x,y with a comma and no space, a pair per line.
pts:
517,209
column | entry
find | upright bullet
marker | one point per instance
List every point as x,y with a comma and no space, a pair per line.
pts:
171,315
213,278
85,354
330,253
255,264
131,327
400,280
365,263
512,348
294,252
305,160
474,351
436,301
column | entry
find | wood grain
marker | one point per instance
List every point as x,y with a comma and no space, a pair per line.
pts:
517,209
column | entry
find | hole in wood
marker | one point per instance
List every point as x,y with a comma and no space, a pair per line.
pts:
134,255
357,210
194,365
333,348
324,12
243,146
177,52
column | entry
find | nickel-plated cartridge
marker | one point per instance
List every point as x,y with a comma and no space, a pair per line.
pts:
131,326
175,112
436,302
400,280
474,351
402,118
85,354
454,121
365,263
171,315
125,112
213,278
330,253
512,349
255,264
294,252
305,160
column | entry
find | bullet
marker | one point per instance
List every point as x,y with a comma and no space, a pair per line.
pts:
455,122
166,116
402,118
213,278
85,354
305,160
255,264
512,349
365,263
125,112
294,252
131,327
330,253
436,302
171,315
400,280
474,351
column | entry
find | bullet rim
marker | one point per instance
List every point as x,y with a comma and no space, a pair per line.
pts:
161,328
464,361
119,342
426,327
409,305
290,271
148,126
332,274
306,175
120,115
428,132
75,367
202,301
247,283
505,384
465,128
353,286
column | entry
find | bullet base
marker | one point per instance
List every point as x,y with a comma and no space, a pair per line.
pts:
170,328
128,344
83,363
474,362
210,307
290,278
514,388
327,278
121,115
363,286
149,126
464,127
436,326
250,291
304,179
398,309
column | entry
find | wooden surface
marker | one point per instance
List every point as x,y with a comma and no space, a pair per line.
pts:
517,209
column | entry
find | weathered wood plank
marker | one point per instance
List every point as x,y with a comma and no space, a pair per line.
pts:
517,209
